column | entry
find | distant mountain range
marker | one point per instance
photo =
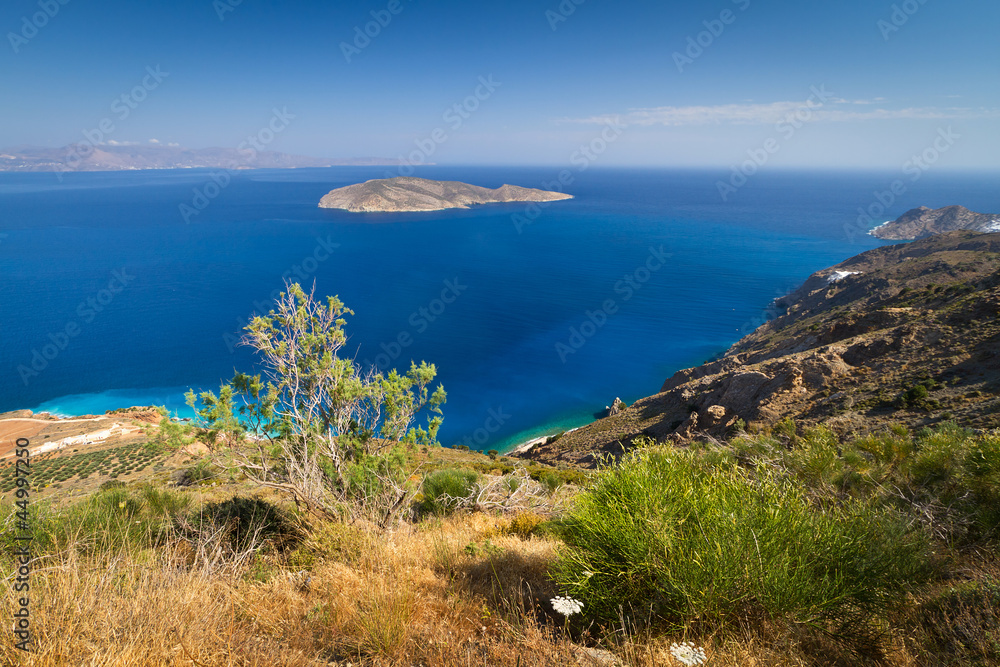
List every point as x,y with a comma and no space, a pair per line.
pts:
107,157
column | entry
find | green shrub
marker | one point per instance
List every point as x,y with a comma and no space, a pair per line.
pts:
171,435
947,477
247,523
915,395
370,477
666,537
109,521
981,476
163,502
40,526
938,458
442,486
550,480
513,483
200,471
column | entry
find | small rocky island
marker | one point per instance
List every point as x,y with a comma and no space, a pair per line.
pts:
405,193
919,223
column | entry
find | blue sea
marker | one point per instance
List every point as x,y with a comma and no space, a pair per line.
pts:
536,317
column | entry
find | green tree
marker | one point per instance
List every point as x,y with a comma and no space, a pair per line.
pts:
315,424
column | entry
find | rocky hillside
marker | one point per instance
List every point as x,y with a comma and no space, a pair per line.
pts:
904,334
405,193
919,223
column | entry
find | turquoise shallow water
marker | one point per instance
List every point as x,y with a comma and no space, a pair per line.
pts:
110,298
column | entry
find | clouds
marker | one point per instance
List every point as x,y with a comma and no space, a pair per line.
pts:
835,109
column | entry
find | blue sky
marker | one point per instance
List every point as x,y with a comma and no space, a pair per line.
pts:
873,83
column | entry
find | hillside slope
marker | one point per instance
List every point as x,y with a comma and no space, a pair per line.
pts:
919,223
904,334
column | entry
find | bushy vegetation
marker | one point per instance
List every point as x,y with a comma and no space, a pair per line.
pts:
246,523
551,478
315,424
774,548
200,471
673,538
172,435
947,477
960,625
442,488
350,593
118,518
115,518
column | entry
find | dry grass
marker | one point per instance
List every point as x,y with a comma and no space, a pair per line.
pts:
470,589
120,612
413,596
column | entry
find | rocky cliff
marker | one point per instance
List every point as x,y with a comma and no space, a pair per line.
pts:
905,334
919,223
405,193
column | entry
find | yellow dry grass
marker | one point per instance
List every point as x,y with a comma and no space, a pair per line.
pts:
416,595
460,591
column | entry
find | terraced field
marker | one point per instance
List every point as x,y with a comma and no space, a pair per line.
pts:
112,463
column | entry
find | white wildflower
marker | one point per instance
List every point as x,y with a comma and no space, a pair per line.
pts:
566,606
688,654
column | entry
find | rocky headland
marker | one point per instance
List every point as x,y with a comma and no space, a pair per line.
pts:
921,222
405,193
906,334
